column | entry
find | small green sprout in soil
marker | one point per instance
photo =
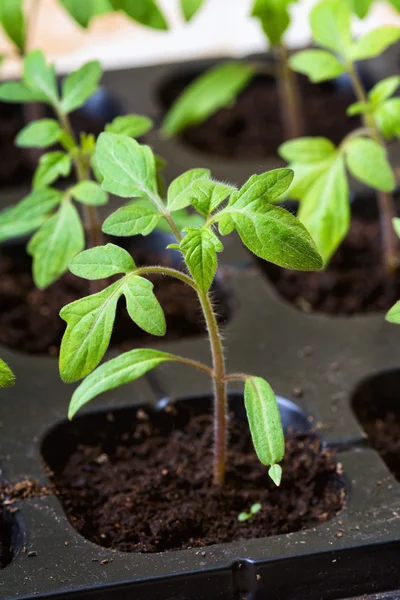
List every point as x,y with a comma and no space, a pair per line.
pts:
255,508
7,377
128,169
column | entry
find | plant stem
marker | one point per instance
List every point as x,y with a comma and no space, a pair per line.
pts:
387,209
289,95
169,272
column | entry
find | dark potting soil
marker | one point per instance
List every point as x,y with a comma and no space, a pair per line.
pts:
384,435
149,488
355,280
251,127
30,321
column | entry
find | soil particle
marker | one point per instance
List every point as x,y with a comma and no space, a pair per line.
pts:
155,492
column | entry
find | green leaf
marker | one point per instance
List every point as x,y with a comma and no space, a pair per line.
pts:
388,118
114,373
80,85
393,316
39,134
396,225
190,7
375,42
40,77
29,213
331,25
51,166
102,262
145,12
133,219
318,65
384,89
264,421
131,125
13,22
266,187
275,472
367,161
90,193
16,92
200,247
274,18
307,150
128,168
83,12
55,244
360,7
179,190
7,377
357,108
325,208
206,195
211,91
142,305
89,326
395,4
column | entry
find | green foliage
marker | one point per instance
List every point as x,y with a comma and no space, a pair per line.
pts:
13,22
131,125
90,193
331,25
133,219
360,7
265,423
16,92
200,247
245,516
39,134
40,77
318,65
274,18
84,12
7,377
190,7
51,166
80,85
374,43
367,161
146,12
179,190
211,91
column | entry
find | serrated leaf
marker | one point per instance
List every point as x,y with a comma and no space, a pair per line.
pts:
51,166
128,168
393,316
200,247
131,125
264,421
367,161
102,262
29,213
388,118
265,187
40,77
307,150
39,134
146,12
206,195
211,91
90,193
133,219
116,372
7,377
84,12
318,65
13,22
325,208
16,92
384,89
331,25
190,7
142,305
274,18
179,190
80,85
55,244
89,326
375,42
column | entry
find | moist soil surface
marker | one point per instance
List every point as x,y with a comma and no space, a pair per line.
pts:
252,128
30,321
355,280
149,488
384,435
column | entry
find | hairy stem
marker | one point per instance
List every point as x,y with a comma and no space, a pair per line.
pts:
289,95
387,209
169,272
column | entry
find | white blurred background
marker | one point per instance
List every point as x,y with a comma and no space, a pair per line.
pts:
222,27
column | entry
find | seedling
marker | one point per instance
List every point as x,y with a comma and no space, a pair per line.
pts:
128,170
219,86
321,180
7,378
245,516
47,210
